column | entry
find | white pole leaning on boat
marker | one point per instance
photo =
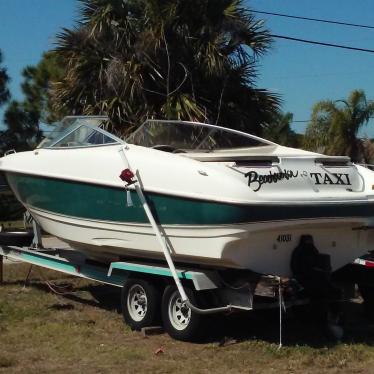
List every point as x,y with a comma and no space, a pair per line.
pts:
156,229
138,187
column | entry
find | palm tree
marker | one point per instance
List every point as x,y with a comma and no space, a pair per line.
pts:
279,130
191,60
335,124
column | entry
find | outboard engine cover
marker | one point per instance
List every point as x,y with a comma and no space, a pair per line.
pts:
308,264
312,270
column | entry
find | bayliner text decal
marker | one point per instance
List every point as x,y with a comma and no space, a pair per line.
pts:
256,181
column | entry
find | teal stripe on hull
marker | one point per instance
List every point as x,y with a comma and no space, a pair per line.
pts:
109,204
105,203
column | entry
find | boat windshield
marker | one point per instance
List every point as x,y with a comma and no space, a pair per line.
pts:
191,136
76,131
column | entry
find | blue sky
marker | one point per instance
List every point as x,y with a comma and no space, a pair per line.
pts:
302,74
27,29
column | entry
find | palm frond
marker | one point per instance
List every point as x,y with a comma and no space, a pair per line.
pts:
165,58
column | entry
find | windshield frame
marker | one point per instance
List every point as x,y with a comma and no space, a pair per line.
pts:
75,127
207,125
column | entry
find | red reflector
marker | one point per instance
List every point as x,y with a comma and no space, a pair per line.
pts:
369,264
127,175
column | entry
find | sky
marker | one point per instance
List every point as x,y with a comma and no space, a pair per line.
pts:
301,74
304,74
27,29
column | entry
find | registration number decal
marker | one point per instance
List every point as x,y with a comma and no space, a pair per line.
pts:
284,238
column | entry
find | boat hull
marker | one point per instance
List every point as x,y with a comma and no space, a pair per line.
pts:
108,223
264,247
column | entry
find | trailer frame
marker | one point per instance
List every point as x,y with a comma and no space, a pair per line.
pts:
117,274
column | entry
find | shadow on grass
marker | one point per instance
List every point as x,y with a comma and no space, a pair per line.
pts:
260,325
264,325
103,296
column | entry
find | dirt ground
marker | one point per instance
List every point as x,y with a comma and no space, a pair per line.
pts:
43,332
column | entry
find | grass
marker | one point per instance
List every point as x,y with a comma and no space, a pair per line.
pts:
43,332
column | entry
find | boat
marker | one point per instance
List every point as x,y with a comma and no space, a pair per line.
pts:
222,198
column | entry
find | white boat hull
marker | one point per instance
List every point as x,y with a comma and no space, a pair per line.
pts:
264,247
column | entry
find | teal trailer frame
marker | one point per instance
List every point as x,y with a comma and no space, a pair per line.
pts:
73,263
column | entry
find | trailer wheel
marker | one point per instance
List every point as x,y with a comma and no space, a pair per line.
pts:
180,322
140,303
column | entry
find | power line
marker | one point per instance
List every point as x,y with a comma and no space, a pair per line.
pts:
322,43
308,120
314,19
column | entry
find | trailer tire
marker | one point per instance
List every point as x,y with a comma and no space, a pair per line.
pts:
180,322
140,302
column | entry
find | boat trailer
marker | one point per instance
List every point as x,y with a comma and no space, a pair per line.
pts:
144,286
149,294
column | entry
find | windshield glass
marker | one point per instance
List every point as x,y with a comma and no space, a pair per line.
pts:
78,132
189,136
